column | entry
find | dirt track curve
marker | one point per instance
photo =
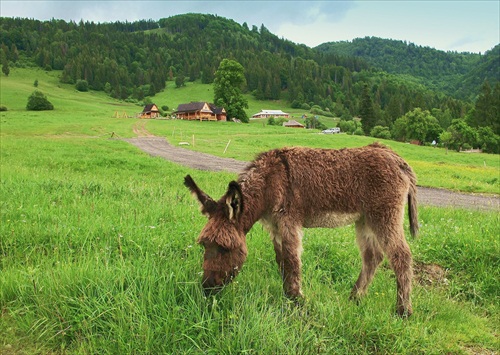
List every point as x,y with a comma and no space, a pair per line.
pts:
159,147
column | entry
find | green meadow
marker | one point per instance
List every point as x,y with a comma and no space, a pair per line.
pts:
98,252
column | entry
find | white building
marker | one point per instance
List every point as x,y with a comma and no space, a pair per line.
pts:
271,113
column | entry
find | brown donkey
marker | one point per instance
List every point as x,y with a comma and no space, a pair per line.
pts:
291,188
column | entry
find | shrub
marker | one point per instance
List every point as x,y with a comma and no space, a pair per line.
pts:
3,108
380,132
38,102
82,85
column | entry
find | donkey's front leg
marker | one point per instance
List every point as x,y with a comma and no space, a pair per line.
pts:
291,250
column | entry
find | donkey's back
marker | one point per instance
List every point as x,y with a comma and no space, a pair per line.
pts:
329,188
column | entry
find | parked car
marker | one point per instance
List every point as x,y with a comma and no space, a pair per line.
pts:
331,130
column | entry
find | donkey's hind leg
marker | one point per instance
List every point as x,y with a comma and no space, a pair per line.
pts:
399,254
371,254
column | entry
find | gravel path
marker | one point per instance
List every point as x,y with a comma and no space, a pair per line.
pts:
159,147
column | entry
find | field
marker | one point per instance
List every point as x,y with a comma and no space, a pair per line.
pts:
98,253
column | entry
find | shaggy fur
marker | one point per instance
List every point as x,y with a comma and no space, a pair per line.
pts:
292,188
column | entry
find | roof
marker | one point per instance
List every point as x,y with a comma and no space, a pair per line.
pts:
192,106
271,112
150,107
198,106
292,123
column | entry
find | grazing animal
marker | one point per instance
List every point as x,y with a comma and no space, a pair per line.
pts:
291,188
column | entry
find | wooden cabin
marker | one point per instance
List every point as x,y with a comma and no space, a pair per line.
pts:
150,111
202,111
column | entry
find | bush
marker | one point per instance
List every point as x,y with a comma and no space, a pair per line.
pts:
82,85
359,132
276,121
348,126
3,108
38,102
381,132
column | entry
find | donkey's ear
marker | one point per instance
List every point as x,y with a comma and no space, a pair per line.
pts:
234,201
208,205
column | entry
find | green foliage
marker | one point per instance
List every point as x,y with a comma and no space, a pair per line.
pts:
3,108
313,122
179,81
82,85
381,132
229,80
35,83
5,68
37,101
417,125
486,112
367,111
488,140
462,135
276,121
349,126
457,74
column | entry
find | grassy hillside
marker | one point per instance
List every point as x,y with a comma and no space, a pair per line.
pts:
98,254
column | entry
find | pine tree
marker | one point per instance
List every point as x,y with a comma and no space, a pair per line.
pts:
367,111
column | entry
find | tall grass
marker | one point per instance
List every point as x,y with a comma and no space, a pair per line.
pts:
98,254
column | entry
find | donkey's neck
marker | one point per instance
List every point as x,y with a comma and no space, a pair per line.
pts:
253,190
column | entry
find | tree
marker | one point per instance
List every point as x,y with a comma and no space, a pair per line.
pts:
179,80
5,67
37,101
486,110
228,82
461,134
488,140
367,111
417,125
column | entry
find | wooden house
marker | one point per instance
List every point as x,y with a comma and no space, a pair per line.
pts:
202,111
293,124
150,111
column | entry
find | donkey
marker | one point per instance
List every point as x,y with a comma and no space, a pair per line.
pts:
291,188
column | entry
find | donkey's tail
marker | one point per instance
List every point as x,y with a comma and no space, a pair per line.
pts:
412,205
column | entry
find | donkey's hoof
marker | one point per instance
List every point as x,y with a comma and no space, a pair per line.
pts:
403,312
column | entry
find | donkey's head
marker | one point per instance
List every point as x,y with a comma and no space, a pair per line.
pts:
222,237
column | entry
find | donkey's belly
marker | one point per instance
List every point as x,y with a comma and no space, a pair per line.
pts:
331,219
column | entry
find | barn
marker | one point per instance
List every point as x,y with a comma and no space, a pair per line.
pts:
202,111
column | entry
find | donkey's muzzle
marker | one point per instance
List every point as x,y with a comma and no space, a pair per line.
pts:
214,282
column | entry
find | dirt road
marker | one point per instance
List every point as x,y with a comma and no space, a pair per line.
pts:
159,147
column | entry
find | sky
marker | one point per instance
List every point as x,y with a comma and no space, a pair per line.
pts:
449,25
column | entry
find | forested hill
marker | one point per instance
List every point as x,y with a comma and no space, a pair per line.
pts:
135,60
458,74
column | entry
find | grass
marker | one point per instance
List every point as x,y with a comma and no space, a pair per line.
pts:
98,249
